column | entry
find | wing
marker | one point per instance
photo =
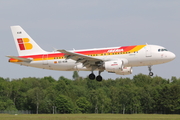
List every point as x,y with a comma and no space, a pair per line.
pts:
20,58
85,60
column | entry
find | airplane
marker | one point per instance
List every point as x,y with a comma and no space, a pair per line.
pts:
119,60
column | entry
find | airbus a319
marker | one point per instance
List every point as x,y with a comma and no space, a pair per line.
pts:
119,60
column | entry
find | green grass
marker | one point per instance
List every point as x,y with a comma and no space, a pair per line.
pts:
88,117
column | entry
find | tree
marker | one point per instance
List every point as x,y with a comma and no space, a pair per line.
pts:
2,105
142,94
10,105
64,104
114,99
75,75
7,104
36,97
83,104
15,90
170,98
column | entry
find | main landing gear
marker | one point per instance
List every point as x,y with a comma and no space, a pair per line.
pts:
92,77
150,73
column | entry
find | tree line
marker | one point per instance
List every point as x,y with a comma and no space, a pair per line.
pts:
141,94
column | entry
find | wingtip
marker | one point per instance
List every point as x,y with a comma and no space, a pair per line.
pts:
8,56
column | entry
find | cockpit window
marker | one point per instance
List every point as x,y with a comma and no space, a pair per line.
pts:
161,50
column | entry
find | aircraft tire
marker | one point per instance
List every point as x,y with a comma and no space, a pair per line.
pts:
99,78
151,73
92,76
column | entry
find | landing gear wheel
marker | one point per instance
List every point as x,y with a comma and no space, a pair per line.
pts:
151,74
99,78
92,76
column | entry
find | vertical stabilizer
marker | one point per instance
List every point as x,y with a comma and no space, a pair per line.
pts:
24,43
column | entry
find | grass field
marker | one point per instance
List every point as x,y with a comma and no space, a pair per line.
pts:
88,117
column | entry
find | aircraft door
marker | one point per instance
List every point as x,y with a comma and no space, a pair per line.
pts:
45,59
148,51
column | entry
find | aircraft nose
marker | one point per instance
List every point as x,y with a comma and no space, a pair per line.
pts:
172,56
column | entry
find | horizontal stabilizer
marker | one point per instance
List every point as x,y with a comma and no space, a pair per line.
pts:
20,58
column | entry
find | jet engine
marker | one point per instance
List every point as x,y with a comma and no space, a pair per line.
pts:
117,66
125,71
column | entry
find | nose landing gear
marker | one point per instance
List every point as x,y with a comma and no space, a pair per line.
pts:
150,73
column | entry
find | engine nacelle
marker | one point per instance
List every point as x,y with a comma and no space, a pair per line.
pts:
113,66
125,71
117,66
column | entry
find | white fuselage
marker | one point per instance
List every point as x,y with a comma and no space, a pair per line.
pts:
147,56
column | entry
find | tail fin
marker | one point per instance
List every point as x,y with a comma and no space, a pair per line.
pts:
24,43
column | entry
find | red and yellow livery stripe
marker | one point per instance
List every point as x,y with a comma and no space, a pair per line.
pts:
100,52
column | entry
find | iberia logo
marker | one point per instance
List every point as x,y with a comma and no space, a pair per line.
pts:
24,44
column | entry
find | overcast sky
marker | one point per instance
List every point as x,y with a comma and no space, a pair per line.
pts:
84,24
